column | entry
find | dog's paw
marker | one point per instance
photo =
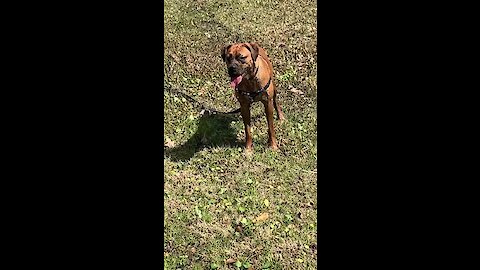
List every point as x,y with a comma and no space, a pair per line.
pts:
274,147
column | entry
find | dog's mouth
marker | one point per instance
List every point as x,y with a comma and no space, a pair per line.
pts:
235,80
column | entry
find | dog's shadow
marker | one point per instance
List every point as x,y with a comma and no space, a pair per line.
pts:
213,130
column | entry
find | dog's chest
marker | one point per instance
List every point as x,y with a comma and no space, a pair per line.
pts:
249,91
248,86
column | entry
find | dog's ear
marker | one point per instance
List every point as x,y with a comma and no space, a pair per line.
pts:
253,48
224,51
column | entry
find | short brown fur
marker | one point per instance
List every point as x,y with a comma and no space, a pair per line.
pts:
253,80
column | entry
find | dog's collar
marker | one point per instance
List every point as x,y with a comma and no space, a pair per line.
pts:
252,95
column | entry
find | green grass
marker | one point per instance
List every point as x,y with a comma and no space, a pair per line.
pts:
212,189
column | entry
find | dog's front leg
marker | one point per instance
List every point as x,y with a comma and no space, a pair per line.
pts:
245,110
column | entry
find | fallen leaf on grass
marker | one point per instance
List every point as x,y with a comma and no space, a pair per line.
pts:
175,57
238,228
229,261
191,252
266,202
262,217
169,143
202,91
244,221
296,91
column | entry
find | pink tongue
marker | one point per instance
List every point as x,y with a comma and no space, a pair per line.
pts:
235,81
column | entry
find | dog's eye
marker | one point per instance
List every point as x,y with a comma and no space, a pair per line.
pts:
242,59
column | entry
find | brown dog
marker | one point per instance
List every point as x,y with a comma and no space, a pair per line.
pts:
251,75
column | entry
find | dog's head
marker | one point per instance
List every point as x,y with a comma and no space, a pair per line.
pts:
240,59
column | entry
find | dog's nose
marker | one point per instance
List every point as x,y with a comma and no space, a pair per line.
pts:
231,71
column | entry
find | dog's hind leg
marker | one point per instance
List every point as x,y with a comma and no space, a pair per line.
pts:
272,141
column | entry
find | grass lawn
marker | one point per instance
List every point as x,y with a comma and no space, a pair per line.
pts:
256,211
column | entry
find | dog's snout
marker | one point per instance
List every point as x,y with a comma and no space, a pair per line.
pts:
231,71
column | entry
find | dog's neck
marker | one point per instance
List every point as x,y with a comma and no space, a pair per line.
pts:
260,63
254,83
